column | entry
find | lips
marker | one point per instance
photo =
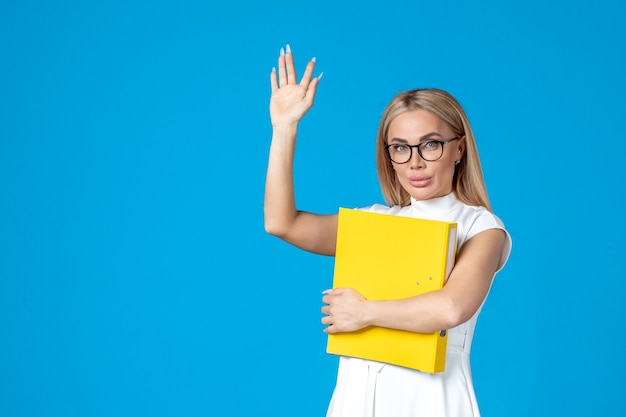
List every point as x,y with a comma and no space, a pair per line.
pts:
419,180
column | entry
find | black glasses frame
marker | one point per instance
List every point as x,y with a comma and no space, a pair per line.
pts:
419,149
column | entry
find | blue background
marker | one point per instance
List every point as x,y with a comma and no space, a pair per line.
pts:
136,278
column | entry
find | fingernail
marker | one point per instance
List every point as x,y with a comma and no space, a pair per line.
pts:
273,69
282,52
288,49
319,77
326,291
313,59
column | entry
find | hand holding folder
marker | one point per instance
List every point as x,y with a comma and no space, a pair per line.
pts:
386,257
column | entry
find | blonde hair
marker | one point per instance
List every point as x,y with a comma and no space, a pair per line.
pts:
468,182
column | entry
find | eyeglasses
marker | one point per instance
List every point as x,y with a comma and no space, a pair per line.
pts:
401,153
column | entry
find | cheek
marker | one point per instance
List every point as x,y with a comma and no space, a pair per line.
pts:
446,169
451,158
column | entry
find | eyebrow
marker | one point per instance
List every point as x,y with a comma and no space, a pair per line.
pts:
424,138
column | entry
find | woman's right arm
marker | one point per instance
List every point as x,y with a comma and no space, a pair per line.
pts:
290,101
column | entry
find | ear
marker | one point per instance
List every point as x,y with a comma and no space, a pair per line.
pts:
461,147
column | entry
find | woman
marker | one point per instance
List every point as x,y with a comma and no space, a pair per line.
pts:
428,167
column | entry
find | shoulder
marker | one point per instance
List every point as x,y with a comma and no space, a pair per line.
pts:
477,219
473,220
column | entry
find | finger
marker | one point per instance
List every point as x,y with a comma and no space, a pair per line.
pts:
291,68
308,73
325,310
327,320
282,72
310,97
273,80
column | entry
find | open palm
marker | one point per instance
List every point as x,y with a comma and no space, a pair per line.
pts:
291,100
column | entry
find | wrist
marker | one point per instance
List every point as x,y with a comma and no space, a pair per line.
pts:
367,312
285,128
284,135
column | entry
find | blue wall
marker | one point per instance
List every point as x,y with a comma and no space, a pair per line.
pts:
135,275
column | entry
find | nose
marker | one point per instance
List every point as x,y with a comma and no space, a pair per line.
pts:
416,160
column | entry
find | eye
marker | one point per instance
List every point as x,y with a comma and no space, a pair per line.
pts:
400,148
432,145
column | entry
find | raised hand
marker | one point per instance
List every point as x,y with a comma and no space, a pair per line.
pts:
291,100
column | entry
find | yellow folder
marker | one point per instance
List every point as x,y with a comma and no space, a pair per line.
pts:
387,257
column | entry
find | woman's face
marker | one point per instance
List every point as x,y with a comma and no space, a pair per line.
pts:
423,179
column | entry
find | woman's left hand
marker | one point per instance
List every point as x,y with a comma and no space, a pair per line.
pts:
344,310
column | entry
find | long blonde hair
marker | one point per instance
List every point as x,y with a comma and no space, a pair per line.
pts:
468,182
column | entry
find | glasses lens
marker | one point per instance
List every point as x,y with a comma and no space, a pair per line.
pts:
399,153
431,151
